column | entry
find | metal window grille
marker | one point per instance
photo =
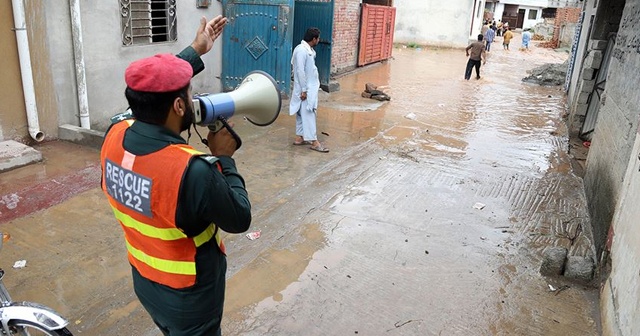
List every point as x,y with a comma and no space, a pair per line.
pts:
148,21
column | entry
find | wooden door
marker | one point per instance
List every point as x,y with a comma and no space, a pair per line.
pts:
376,33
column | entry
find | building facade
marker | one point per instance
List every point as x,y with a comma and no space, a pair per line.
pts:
66,59
76,52
438,23
604,109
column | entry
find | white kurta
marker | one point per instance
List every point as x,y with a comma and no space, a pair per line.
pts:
305,78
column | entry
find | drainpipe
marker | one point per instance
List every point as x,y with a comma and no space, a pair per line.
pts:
81,78
25,70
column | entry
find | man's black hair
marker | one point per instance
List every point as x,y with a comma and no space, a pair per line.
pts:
311,33
153,107
480,37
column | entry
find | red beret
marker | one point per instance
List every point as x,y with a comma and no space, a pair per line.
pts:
159,73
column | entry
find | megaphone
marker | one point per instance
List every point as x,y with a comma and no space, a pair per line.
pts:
257,98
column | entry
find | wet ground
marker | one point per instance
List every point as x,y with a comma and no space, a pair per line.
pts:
379,236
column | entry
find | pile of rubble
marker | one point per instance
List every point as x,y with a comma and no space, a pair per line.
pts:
550,44
376,92
548,74
538,37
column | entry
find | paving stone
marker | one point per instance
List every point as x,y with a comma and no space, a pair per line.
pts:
579,268
553,261
14,155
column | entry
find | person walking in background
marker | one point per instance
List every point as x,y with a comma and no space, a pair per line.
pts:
499,28
171,200
485,27
306,83
526,38
508,35
476,53
489,36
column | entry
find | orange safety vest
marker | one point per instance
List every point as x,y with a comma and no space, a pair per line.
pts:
143,193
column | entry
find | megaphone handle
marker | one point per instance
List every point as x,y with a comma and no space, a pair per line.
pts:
233,133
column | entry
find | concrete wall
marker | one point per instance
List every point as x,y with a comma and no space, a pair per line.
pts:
13,120
106,58
566,34
612,180
438,23
620,295
617,120
575,83
565,25
346,35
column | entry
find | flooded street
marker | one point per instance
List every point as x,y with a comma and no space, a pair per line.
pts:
383,238
379,236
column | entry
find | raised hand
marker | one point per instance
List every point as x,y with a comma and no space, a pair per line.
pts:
207,33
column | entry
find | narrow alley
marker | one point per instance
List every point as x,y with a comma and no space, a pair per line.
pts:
429,215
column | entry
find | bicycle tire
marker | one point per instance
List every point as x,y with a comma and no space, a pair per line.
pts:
26,328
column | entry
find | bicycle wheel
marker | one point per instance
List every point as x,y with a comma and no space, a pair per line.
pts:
25,328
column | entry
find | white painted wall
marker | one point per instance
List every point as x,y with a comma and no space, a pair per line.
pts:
437,23
499,11
529,3
529,23
106,58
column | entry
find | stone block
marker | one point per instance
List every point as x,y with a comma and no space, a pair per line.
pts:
583,97
594,60
587,86
581,109
81,136
14,155
588,73
579,268
332,87
598,44
553,261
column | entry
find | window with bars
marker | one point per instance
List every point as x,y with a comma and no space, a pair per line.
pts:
148,21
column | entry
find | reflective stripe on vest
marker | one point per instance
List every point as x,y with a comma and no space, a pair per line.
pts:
159,250
163,233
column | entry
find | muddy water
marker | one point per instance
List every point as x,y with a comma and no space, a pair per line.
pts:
379,236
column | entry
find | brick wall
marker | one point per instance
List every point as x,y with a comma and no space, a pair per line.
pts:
564,16
346,35
569,14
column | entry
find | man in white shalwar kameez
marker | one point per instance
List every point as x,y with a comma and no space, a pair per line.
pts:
306,83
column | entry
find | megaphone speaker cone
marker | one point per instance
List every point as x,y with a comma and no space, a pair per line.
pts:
257,98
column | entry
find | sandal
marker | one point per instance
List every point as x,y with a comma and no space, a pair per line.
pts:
320,149
304,142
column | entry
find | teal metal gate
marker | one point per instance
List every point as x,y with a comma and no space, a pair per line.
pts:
257,37
319,14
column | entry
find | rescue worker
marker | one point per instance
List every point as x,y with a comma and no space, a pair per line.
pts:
170,199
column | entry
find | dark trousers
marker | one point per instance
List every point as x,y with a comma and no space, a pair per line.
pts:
470,65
